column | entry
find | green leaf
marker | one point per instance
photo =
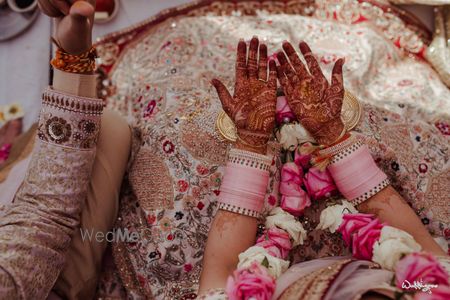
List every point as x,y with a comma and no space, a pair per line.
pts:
265,262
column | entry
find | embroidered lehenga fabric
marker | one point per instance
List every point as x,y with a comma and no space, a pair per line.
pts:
157,75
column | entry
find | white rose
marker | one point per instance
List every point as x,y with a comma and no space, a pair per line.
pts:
393,243
276,266
291,135
279,218
331,217
12,112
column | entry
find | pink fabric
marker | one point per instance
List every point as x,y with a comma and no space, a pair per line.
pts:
353,280
244,187
356,174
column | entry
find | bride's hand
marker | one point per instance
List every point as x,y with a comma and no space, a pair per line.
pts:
316,102
252,107
74,21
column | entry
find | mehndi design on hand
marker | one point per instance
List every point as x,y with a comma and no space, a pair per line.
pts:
252,107
316,103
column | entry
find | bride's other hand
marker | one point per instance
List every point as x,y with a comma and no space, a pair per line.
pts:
315,101
253,105
74,22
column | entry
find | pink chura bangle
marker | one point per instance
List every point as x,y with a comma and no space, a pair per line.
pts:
244,183
357,176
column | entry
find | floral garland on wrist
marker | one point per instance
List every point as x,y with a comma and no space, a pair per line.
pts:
305,177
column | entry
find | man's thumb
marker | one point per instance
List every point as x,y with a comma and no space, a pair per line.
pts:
74,30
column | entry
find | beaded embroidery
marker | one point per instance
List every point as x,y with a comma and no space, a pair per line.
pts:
333,150
346,152
80,130
239,210
249,159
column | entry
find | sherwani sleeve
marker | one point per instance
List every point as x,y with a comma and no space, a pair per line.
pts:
36,229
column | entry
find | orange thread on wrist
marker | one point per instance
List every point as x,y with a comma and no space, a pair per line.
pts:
82,63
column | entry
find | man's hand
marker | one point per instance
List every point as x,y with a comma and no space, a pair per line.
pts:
74,21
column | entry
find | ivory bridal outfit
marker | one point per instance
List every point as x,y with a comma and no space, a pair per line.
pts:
157,76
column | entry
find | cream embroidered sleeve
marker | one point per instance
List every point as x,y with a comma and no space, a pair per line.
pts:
35,229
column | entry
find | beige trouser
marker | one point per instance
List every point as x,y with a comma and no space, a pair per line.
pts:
79,278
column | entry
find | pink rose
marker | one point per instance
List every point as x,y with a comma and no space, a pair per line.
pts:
442,292
290,189
295,205
420,267
365,238
319,184
283,111
254,282
270,247
291,173
279,238
351,223
302,160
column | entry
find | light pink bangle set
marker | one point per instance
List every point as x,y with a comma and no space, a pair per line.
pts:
245,182
355,173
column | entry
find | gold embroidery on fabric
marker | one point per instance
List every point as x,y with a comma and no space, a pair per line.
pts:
439,191
314,285
151,181
152,58
69,120
125,268
203,146
397,137
56,180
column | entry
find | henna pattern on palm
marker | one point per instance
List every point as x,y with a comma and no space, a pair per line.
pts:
253,105
316,102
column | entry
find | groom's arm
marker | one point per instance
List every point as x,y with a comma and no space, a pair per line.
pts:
36,229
